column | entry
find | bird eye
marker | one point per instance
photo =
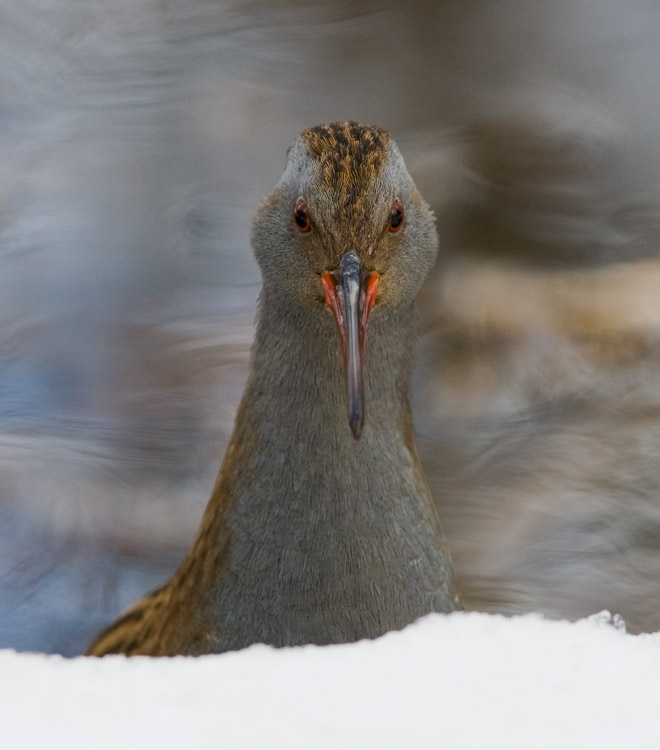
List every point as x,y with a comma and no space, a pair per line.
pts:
396,217
301,216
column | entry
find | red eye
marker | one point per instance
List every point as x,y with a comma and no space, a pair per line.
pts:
397,217
301,216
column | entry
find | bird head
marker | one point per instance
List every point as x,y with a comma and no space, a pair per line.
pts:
344,233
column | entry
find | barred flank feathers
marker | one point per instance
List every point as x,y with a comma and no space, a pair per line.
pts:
134,632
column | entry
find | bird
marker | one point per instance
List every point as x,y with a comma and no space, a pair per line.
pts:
320,528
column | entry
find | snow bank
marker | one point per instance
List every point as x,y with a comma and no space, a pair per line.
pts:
458,681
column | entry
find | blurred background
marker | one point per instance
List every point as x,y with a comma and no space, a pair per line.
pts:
136,139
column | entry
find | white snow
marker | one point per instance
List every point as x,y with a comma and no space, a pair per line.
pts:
459,681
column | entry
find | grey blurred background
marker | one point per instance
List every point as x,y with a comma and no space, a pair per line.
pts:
136,139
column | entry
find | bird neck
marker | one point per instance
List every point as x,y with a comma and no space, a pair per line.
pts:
310,535
298,383
292,447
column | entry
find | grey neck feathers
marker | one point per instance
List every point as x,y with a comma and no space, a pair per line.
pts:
324,538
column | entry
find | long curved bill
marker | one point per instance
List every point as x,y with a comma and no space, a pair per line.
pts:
350,294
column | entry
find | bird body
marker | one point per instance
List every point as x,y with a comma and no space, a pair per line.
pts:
312,535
